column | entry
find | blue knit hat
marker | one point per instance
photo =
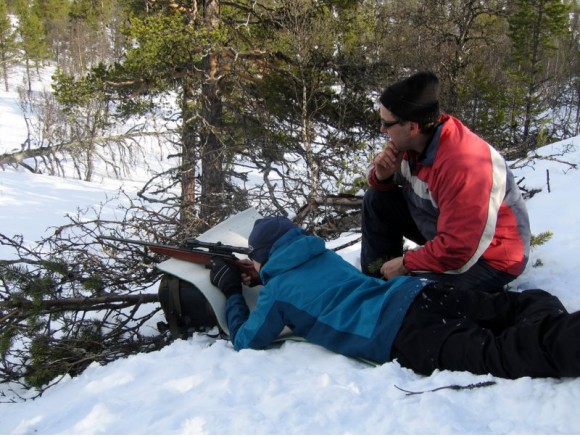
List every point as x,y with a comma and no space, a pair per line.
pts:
265,233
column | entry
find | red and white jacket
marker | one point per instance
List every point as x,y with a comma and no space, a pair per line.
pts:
465,202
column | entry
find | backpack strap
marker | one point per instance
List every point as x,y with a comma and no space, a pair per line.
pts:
174,308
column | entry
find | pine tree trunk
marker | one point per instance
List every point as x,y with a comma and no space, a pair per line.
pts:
188,159
201,143
212,182
212,150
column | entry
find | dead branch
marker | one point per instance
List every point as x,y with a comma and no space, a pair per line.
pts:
522,162
16,158
80,303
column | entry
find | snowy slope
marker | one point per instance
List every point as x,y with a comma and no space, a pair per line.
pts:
195,387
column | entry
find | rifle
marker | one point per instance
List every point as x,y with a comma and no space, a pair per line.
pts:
199,252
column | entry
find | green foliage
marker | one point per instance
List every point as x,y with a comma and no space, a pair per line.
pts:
56,266
51,358
55,319
51,10
8,45
6,31
86,10
71,92
534,26
38,287
54,17
41,352
484,106
541,238
32,36
166,44
7,336
359,183
94,283
375,266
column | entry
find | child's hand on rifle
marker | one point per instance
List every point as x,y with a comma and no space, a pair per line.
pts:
247,266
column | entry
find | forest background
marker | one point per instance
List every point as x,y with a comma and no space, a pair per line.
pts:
227,90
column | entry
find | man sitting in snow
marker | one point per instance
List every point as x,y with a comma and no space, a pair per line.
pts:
446,189
423,324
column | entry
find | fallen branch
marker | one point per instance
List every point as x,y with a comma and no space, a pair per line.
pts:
524,161
80,303
19,156
450,387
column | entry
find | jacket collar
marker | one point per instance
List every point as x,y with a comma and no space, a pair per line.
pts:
428,155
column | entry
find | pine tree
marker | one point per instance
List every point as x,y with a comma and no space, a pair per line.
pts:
534,27
32,39
245,83
54,17
7,42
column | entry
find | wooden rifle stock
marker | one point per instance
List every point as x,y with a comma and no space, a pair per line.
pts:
198,256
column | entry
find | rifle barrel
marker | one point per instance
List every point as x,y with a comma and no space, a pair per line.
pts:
138,242
190,244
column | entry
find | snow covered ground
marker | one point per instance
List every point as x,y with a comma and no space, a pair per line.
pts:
198,387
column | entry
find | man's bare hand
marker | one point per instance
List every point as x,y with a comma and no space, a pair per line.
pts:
387,161
394,267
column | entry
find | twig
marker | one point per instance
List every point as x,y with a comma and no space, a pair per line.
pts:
9,315
526,160
345,245
451,387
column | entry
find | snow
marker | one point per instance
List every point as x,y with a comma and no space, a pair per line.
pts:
198,386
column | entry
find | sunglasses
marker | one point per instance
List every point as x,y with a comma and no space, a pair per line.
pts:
387,124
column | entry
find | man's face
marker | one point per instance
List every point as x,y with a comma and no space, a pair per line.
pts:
397,130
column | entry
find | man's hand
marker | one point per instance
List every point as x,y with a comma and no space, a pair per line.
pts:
387,161
225,276
394,267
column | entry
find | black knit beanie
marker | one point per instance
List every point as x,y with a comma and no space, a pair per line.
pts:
264,234
414,99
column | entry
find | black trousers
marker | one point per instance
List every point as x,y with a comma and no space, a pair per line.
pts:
386,220
509,334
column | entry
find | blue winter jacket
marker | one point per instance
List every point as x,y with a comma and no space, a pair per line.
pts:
324,299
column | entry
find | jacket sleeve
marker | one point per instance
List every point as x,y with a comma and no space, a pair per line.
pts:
237,313
256,329
469,191
386,185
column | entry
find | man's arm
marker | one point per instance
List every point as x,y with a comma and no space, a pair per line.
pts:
385,164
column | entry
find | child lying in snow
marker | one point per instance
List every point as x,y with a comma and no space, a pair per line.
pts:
424,325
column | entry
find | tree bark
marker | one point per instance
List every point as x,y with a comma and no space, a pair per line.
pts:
212,149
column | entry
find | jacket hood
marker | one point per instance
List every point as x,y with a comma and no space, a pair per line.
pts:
292,250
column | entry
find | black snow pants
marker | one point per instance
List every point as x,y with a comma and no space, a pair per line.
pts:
509,334
386,219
